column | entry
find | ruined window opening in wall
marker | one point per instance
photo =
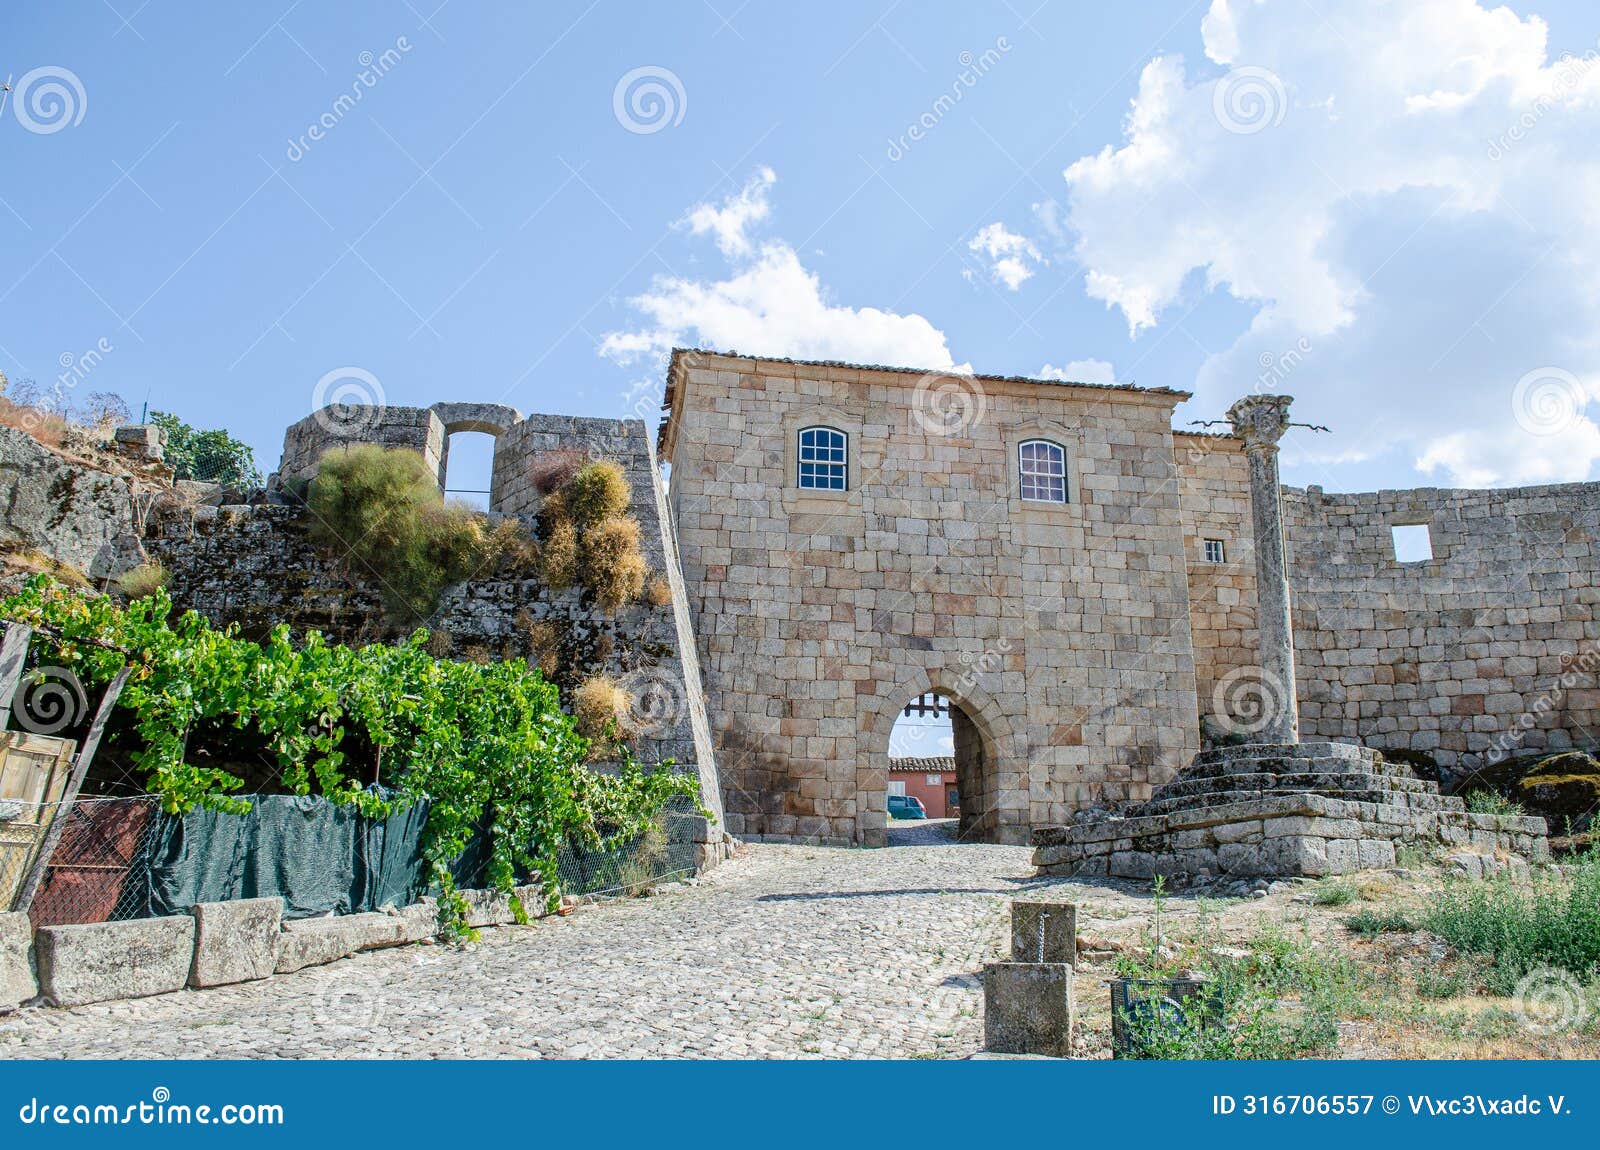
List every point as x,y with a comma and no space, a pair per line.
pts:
469,467
823,462
1412,542
1042,471
1215,551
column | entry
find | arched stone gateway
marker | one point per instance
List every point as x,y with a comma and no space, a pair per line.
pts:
987,753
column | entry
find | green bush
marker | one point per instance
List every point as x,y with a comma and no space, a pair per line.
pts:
211,456
1333,892
1282,999
1555,921
1374,922
381,513
487,744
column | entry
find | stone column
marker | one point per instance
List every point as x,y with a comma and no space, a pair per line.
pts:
1260,420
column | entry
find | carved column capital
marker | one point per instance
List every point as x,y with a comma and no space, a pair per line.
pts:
1261,420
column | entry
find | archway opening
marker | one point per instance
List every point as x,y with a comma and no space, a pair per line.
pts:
939,785
468,469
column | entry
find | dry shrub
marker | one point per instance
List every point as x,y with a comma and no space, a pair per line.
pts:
544,643
611,565
380,511
658,593
599,708
477,653
599,491
441,643
46,427
553,470
144,580
517,551
559,563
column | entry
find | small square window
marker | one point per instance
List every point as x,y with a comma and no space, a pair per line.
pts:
1215,551
1412,542
932,779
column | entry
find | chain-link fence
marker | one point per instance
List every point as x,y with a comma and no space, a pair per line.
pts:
99,870
663,854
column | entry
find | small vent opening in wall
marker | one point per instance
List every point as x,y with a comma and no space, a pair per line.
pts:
1412,542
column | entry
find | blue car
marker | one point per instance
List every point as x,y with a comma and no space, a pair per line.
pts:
906,807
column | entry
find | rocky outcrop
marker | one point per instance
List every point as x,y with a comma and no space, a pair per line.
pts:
66,510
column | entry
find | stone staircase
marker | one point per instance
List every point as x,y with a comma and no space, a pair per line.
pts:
1281,809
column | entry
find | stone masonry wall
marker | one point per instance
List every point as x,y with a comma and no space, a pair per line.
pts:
1061,632
1486,650
1214,490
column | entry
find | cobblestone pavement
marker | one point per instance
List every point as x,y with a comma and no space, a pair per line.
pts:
782,952
922,832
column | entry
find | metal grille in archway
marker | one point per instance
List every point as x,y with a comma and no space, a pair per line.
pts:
928,704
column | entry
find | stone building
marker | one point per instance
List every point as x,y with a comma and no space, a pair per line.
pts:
854,537
1079,579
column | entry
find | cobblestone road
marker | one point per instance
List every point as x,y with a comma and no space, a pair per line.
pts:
782,952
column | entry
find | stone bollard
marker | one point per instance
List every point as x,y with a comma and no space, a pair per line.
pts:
1044,932
1028,1008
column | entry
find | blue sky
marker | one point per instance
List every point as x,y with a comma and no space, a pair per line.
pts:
1389,210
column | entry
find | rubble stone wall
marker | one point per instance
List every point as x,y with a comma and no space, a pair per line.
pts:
254,565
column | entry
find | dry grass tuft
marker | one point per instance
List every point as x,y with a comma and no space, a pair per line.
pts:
559,563
46,427
600,708
599,491
658,593
143,581
611,565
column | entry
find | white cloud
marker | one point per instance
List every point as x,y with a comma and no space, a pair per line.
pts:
1010,256
1409,193
768,304
728,222
1080,371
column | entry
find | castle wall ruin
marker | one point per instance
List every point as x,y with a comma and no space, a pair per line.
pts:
1487,650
